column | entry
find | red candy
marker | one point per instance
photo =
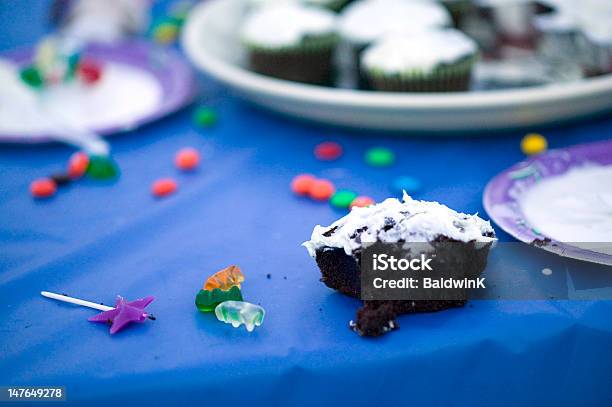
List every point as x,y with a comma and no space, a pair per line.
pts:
321,190
328,151
43,188
77,166
163,187
89,71
361,202
301,184
187,159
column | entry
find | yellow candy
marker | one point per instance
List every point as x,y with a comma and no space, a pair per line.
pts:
165,33
225,279
533,143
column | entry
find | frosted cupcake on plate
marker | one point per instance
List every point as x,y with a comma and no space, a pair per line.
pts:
429,61
363,22
291,41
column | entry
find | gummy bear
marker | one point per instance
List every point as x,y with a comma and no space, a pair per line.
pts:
240,312
207,300
225,279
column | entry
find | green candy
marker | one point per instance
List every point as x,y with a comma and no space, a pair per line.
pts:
102,167
380,157
342,199
207,300
32,77
205,117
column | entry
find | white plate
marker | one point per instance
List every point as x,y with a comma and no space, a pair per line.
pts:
210,39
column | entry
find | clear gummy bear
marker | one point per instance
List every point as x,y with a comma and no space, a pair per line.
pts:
240,312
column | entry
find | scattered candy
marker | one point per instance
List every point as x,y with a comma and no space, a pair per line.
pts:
119,317
225,279
89,71
102,167
187,159
321,190
205,117
207,300
77,166
163,187
61,179
343,199
301,184
328,151
240,312
165,33
533,143
361,202
406,183
43,188
379,157
124,313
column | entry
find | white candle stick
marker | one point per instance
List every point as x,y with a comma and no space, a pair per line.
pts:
76,301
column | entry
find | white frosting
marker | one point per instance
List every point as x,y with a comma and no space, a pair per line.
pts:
286,24
123,95
592,17
574,207
412,221
423,51
365,21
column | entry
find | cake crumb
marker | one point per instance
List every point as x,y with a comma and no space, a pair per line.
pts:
547,272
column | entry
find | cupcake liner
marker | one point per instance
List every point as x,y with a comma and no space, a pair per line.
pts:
444,78
309,62
596,58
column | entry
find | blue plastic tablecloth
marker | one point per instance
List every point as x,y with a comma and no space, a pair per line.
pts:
97,240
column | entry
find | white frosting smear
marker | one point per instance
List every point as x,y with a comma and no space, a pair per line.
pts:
423,51
123,95
575,207
365,21
392,221
286,24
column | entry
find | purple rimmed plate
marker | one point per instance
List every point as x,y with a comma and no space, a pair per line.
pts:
173,75
502,194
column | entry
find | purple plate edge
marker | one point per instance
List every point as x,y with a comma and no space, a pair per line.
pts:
496,194
178,83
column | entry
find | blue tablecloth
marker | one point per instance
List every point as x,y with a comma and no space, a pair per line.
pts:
97,240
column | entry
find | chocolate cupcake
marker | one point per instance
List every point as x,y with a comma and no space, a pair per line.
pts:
363,22
337,251
291,41
429,61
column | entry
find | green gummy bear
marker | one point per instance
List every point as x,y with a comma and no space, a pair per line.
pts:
240,312
102,167
206,300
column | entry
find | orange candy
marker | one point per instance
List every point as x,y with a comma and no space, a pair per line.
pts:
321,190
43,188
163,187
187,159
225,279
77,165
301,184
361,202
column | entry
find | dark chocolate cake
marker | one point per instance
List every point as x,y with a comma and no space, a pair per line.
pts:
337,251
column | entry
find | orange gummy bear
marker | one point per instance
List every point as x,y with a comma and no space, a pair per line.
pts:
225,279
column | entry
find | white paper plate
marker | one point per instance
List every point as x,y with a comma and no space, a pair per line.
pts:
210,39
